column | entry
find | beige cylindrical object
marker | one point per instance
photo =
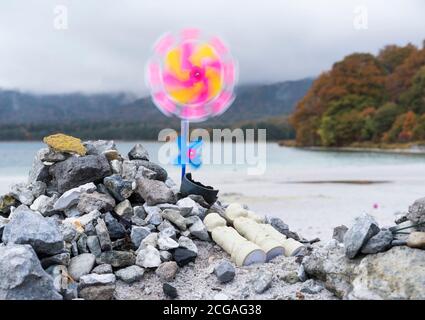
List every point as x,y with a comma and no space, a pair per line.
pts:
214,220
242,251
254,232
235,210
292,247
253,216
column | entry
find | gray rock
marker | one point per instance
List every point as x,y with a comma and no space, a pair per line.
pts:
187,243
81,265
168,228
184,256
84,219
166,243
416,213
169,290
165,256
116,229
262,282
3,223
60,258
311,287
225,271
42,234
339,233
76,171
154,192
71,197
120,188
154,216
330,265
139,215
116,166
50,155
167,270
161,173
378,243
22,192
130,274
62,282
39,171
98,147
169,232
188,207
90,229
82,243
151,239
397,274
22,277
95,201
199,231
102,269
302,276
97,286
364,228
278,224
138,234
138,152
175,217
44,205
398,242
93,245
117,259
124,209
148,257
103,235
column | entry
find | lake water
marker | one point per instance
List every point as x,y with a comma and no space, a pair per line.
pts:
312,191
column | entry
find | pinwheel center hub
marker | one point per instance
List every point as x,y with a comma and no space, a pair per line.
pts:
197,74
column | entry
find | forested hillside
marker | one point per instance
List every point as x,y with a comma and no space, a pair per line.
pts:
366,98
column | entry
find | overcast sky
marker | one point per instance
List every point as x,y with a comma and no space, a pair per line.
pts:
107,42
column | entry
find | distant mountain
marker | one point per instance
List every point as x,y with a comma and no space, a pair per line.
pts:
28,116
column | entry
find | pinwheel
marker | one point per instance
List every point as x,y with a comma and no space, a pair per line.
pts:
192,76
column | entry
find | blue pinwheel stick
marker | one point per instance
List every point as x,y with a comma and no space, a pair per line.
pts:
189,152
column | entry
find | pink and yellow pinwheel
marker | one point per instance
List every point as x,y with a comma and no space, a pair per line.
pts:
191,76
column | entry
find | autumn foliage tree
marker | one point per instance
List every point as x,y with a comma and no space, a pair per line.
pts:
365,98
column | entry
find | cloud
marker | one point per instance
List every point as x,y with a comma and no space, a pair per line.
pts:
108,42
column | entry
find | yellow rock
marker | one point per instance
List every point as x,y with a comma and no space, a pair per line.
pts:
63,143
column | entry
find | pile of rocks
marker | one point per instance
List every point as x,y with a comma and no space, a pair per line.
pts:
368,262
88,216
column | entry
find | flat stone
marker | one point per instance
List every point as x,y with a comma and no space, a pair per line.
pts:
184,256
81,265
97,286
148,257
76,171
175,217
378,243
71,197
102,269
64,143
138,152
364,228
28,281
117,259
95,201
130,274
154,191
225,271
167,270
41,233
